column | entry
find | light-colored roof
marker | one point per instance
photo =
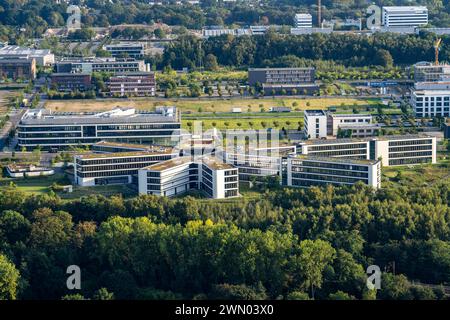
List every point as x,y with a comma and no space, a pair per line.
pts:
337,160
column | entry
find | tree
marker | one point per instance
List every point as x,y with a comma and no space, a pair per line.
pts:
211,62
160,33
384,58
9,279
103,294
314,256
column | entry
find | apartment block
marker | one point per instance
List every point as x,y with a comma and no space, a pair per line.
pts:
52,130
307,171
215,178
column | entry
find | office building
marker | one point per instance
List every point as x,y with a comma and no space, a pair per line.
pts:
447,130
134,50
392,150
428,72
51,130
405,16
359,130
335,121
306,171
133,84
431,99
94,169
303,20
43,57
173,177
68,82
336,148
113,147
291,80
403,150
280,75
110,65
18,68
315,124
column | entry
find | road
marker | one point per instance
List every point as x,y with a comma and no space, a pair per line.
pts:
14,118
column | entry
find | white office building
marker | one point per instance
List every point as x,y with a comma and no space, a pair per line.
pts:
126,49
403,150
392,150
305,171
431,99
303,20
170,178
93,169
315,124
335,121
52,130
404,16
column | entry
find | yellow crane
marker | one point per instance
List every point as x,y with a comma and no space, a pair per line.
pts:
437,46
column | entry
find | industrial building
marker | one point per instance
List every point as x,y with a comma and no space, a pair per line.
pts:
43,57
18,68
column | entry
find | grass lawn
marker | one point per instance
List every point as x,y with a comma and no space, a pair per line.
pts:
245,122
416,176
41,185
206,105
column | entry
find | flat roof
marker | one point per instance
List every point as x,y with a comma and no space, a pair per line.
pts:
350,115
356,140
129,145
315,112
172,163
118,115
17,50
123,154
405,8
337,160
269,69
216,163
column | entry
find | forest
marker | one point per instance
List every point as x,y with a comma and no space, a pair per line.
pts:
30,18
280,50
286,244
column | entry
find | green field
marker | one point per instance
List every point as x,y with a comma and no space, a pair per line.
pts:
41,185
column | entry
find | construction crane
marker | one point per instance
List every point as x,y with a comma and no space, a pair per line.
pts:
437,47
319,13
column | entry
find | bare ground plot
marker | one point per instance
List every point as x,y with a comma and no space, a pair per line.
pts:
206,105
